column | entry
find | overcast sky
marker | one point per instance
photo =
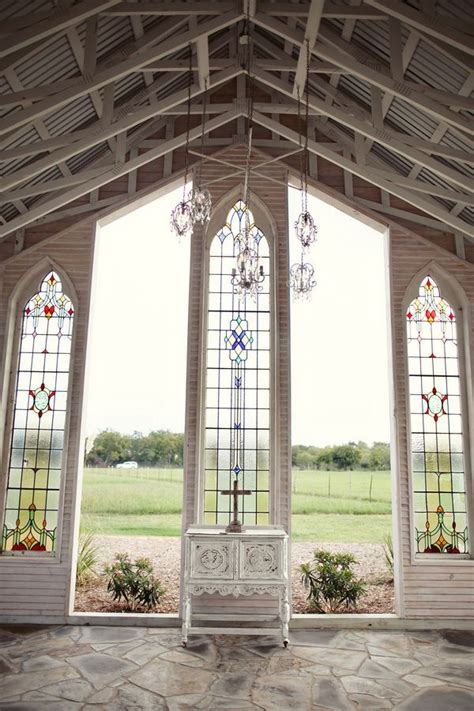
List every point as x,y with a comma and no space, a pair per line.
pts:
138,339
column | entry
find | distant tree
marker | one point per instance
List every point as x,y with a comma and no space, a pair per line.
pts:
325,458
109,449
379,456
346,456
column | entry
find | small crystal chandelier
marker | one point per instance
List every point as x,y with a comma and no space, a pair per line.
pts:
182,215
301,280
201,200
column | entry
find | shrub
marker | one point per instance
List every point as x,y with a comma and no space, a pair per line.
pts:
134,582
331,581
87,557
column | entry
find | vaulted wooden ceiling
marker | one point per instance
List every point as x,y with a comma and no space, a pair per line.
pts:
93,90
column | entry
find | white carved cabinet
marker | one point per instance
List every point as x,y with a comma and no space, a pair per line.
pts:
254,562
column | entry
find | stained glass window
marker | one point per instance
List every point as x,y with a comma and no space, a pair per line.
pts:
39,415
439,493
237,410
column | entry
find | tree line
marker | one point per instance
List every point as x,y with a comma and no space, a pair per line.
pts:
165,449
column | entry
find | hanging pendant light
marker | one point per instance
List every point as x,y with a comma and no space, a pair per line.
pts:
301,280
182,214
201,200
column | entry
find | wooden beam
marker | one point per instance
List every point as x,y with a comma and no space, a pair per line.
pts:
436,26
367,67
311,32
116,172
107,73
193,7
428,206
50,185
202,50
334,10
58,21
384,136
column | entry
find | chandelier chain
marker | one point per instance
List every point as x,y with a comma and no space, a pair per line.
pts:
188,121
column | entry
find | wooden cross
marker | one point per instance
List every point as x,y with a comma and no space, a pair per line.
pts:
235,525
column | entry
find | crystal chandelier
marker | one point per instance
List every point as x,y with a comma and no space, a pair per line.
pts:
201,200
301,280
248,274
182,215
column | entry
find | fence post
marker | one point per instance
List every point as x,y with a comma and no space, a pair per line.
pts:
329,484
370,488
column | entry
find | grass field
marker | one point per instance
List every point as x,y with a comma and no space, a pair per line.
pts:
147,502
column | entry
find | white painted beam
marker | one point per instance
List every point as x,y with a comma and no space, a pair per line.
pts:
367,67
164,7
436,26
58,21
428,206
117,171
311,32
124,119
202,49
385,137
107,73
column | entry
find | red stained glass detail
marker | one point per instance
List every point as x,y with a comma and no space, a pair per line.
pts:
27,311
428,283
430,315
48,311
451,316
409,315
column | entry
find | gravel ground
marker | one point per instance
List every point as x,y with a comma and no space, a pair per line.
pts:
165,554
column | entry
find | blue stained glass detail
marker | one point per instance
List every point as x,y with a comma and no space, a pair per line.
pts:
238,340
237,470
238,382
237,425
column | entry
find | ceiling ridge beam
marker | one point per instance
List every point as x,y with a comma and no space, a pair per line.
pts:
311,32
58,21
117,171
429,206
107,73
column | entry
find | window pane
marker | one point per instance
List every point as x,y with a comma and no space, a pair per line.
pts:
37,436
436,424
238,380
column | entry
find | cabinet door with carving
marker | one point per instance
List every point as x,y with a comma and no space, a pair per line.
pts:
260,560
212,559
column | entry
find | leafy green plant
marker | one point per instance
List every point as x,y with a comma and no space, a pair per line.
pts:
388,552
331,581
87,558
133,582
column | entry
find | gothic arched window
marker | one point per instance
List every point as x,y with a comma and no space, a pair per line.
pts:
38,420
437,435
237,402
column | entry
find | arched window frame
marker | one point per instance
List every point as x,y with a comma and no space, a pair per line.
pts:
25,288
453,293
266,223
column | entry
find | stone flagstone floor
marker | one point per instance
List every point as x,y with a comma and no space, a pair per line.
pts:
131,668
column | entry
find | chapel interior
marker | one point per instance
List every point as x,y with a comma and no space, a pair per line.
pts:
108,105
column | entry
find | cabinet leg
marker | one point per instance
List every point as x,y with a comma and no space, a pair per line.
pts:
284,615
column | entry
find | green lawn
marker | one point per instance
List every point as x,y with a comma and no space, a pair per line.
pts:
328,506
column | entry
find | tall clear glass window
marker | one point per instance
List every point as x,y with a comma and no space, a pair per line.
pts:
437,443
237,408
39,416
